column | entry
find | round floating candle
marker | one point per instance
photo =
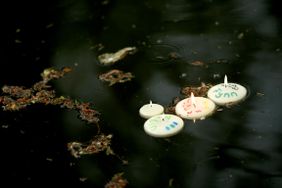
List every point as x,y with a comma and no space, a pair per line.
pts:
194,108
164,125
227,93
150,110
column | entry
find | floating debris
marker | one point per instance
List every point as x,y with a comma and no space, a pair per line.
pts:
117,181
86,113
198,91
171,108
99,143
16,91
221,61
116,76
170,182
173,56
49,159
49,25
18,97
197,63
10,104
83,179
183,75
105,2
240,36
260,94
97,47
219,109
216,75
51,73
5,126
111,58
17,41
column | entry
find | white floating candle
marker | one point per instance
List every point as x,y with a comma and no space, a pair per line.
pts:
194,108
164,125
226,93
149,110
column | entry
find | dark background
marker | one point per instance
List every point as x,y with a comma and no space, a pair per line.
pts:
238,147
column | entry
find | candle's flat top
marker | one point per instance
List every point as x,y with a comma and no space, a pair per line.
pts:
223,94
201,108
164,125
149,110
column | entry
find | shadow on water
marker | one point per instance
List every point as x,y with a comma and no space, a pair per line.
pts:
240,146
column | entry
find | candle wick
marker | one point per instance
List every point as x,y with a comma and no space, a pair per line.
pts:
151,104
193,100
225,81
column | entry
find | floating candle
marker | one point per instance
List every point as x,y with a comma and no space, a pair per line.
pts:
227,93
194,108
164,125
149,110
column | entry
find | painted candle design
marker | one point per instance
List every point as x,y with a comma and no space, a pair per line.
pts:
164,125
227,93
194,108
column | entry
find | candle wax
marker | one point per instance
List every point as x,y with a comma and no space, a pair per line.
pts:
198,108
149,110
227,93
164,125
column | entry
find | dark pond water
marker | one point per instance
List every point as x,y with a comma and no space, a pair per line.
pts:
238,147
